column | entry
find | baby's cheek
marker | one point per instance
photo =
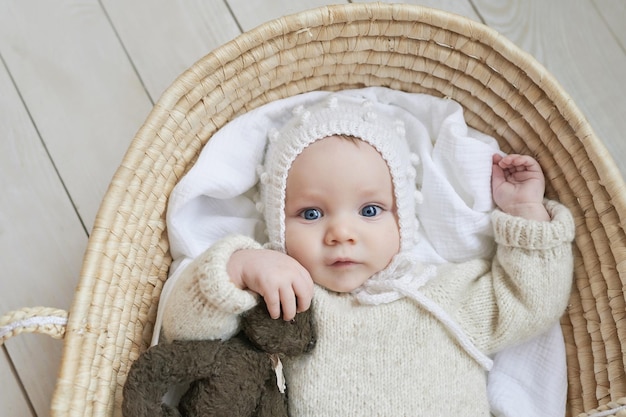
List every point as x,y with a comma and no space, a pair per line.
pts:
296,249
304,257
291,237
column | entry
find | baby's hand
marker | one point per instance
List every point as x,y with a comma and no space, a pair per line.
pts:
283,282
518,186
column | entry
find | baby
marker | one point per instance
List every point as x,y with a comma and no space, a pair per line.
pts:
395,337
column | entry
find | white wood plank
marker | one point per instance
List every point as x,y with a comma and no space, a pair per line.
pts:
41,241
164,37
86,102
37,359
251,14
614,13
11,395
576,46
82,92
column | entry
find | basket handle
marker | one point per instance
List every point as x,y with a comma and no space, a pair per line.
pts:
43,320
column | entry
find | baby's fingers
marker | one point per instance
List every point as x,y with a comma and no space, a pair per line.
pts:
304,293
287,304
273,302
296,298
289,300
516,163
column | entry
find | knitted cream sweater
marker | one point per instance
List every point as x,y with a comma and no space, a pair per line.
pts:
395,359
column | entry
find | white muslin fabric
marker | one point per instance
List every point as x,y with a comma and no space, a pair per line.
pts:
215,199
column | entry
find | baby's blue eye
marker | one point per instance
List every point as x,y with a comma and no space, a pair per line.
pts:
370,211
311,214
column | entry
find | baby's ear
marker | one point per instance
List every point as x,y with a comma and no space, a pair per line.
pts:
276,335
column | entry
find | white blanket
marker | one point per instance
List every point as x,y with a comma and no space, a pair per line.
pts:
214,199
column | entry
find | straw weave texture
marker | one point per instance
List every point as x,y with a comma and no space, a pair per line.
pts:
505,93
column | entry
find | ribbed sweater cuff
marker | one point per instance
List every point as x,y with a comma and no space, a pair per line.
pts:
518,232
213,280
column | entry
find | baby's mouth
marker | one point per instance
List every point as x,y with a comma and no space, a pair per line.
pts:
343,262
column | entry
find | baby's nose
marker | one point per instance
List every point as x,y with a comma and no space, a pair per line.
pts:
340,230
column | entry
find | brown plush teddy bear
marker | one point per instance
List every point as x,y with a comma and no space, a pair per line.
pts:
236,377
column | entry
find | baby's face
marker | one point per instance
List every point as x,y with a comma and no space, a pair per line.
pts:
340,214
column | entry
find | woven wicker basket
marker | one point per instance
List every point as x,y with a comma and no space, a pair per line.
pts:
505,93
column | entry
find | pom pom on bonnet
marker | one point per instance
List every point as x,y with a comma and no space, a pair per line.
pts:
346,116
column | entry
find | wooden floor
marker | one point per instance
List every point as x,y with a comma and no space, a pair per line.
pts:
78,77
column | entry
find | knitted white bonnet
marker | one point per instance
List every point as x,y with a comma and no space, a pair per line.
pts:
338,115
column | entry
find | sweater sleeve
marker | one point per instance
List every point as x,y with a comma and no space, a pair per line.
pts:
205,304
524,289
